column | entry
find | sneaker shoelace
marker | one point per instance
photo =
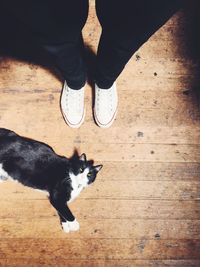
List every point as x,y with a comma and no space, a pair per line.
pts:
105,99
76,98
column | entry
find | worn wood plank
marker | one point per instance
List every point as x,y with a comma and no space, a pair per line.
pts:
143,152
129,115
101,228
90,249
144,99
39,207
132,134
150,171
157,115
98,263
144,190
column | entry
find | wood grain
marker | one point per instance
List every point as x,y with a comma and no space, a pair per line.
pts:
121,228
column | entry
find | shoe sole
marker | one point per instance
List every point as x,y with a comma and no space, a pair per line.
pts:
104,125
69,123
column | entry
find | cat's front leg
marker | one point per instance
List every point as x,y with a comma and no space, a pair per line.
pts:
69,225
68,221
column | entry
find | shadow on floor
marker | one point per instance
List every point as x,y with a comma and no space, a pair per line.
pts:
189,47
17,42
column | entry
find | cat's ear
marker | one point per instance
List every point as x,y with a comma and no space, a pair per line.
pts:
98,167
83,157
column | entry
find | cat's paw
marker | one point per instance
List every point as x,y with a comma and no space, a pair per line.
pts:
70,226
65,227
74,226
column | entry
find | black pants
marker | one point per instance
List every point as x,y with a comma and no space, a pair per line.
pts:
126,25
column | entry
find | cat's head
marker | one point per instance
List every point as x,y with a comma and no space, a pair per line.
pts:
84,170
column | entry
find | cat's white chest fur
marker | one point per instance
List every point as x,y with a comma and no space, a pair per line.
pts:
78,183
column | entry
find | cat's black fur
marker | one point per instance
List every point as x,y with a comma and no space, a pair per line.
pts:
36,165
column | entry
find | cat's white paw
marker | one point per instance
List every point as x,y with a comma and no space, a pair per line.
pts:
65,227
70,226
74,226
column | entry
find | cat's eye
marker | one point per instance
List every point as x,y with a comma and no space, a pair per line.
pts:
89,174
81,170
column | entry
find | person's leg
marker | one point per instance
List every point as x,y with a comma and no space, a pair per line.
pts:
126,25
56,26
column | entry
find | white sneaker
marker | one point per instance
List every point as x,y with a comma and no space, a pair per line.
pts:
72,106
105,108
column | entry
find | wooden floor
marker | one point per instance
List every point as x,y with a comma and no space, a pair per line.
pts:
144,208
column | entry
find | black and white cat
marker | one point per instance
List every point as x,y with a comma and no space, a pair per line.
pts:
36,165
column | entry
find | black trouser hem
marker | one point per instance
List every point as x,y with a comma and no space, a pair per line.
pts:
104,84
75,85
